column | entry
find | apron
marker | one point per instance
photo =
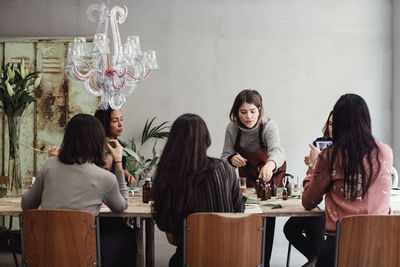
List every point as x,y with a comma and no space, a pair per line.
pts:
255,161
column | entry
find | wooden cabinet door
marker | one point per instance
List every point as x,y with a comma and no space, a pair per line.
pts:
44,122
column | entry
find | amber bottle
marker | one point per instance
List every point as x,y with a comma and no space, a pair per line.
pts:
146,193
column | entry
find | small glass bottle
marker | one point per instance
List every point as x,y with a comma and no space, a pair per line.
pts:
273,188
285,194
269,191
288,187
260,190
257,188
146,191
264,193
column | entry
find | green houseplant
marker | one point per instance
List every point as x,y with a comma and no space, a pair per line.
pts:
17,89
137,163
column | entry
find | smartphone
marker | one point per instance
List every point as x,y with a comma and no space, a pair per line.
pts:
322,144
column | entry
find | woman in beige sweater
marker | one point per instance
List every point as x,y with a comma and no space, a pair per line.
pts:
76,180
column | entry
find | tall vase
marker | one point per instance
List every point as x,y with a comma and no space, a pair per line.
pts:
14,166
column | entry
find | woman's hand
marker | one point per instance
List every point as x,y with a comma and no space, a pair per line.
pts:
307,161
314,152
115,152
267,171
129,177
238,161
53,151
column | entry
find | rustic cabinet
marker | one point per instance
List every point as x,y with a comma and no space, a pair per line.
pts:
43,122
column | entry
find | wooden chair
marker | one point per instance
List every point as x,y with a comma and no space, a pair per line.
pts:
368,240
59,238
224,239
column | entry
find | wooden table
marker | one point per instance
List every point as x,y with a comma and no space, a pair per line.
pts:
136,208
293,207
142,212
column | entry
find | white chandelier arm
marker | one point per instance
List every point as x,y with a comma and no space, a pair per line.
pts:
123,71
117,101
96,80
90,88
80,75
118,74
118,15
139,79
102,21
116,87
95,7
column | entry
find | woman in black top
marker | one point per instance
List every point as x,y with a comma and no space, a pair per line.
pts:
188,181
306,233
112,122
118,230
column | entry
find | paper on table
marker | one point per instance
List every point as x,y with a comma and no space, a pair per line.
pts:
252,200
273,206
252,208
105,209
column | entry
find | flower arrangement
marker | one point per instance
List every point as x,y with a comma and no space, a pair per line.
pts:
18,88
17,92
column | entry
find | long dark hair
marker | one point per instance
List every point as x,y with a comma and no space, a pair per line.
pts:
104,116
246,96
353,143
325,130
184,157
84,141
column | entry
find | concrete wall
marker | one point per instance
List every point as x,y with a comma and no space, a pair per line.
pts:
396,82
301,55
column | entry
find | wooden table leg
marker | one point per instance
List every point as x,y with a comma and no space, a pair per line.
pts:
139,242
149,242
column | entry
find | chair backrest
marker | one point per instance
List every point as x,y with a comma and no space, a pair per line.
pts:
368,240
59,238
224,239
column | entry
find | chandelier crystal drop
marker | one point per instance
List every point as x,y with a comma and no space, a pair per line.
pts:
111,69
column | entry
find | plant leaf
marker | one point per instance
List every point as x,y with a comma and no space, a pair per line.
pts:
145,133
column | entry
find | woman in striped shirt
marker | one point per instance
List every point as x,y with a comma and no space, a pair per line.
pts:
188,181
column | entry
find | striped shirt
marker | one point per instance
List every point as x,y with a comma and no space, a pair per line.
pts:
214,190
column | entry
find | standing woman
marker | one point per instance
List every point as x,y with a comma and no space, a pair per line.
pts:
252,144
112,122
188,181
354,172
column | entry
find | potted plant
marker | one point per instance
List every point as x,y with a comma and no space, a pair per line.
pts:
17,89
137,163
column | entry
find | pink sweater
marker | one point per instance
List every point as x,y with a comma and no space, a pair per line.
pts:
376,201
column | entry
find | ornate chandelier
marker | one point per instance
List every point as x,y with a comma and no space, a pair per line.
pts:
111,70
